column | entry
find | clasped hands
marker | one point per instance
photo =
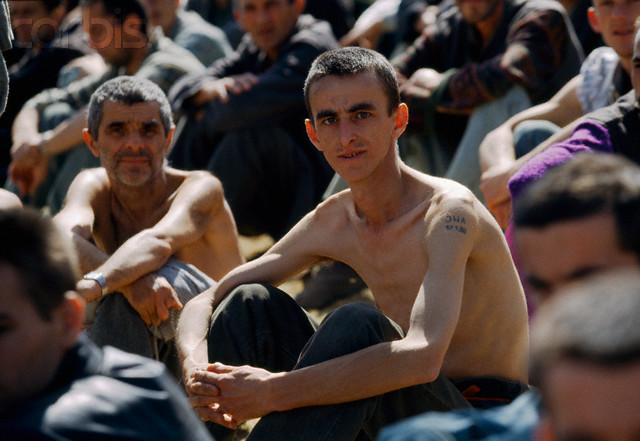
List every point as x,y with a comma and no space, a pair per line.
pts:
229,395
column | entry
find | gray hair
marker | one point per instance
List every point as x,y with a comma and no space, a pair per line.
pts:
127,90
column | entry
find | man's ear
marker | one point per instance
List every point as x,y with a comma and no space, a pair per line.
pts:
401,120
592,16
91,143
312,134
169,139
73,316
300,5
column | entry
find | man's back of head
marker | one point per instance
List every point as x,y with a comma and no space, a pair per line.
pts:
584,186
40,314
579,218
586,359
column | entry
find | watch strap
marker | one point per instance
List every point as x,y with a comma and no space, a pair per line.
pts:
98,277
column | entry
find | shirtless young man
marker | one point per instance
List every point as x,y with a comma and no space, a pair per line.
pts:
451,308
149,236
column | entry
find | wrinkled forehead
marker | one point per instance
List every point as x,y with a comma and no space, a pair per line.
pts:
147,111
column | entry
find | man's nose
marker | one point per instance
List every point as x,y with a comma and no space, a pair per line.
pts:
347,132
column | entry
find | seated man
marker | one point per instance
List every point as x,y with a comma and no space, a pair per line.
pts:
47,47
243,119
604,77
55,384
189,30
149,236
48,149
479,64
450,329
578,219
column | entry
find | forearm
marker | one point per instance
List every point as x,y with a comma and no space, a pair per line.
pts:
25,124
137,257
369,372
67,135
191,336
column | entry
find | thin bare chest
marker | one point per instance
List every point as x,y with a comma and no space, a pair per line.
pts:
393,267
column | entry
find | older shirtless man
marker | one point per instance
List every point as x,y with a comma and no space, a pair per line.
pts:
150,237
450,327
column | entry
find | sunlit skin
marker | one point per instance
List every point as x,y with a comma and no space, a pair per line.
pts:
30,347
131,142
269,22
589,402
580,247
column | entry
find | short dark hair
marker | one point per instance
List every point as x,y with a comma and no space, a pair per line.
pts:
127,90
351,61
41,254
120,9
593,321
587,184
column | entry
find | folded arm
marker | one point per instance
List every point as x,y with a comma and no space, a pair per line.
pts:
229,395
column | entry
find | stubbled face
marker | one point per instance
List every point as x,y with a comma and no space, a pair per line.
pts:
352,125
563,252
614,20
30,347
32,23
269,22
131,142
594,403
475,11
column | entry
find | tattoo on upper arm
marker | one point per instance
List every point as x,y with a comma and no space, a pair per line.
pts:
455,223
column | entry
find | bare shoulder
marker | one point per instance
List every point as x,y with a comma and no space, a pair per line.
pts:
200,188
332,214
326,229
452,204
90,186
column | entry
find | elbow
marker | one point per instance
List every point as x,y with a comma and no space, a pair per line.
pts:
159,248
426,358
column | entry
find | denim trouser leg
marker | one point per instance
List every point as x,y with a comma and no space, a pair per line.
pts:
351,328
465,166
528,134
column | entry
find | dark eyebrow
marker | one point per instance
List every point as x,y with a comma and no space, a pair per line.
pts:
355,108
113,124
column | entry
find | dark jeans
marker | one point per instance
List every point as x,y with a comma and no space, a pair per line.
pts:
264,327
117,323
